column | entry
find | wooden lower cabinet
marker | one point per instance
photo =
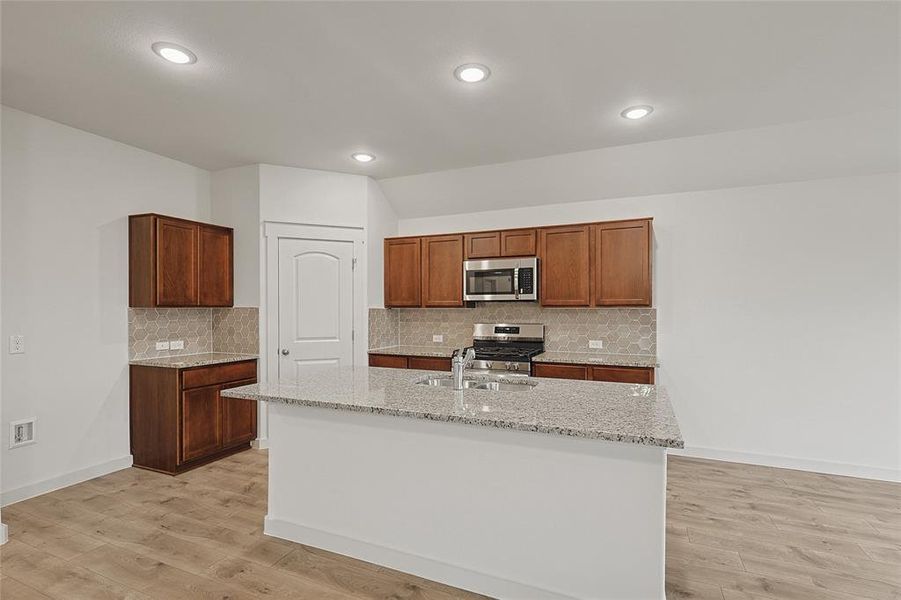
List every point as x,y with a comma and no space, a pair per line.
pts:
425,363
594,373
179,420
201,422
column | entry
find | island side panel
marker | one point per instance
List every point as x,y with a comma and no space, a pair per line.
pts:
501,512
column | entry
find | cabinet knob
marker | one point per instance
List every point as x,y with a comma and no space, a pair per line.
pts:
285,352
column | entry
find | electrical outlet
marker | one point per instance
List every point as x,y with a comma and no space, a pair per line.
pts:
162,345
17,344
596,344
438,338
177,345
21,433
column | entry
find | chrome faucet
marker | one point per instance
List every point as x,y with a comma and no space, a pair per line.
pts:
461,359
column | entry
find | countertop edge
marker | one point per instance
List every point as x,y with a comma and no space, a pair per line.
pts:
187,363
568,432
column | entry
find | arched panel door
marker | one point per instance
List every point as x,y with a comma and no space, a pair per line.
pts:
315,290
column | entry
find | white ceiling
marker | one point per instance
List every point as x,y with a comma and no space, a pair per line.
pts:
306,84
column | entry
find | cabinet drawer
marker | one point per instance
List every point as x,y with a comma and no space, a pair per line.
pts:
559,371
387,360
212,375
429,363
623,374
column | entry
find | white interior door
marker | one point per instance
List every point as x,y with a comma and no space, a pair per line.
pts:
316,308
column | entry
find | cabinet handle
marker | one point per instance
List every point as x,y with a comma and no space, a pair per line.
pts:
285,352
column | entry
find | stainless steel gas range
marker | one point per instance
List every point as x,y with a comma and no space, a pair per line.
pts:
506,347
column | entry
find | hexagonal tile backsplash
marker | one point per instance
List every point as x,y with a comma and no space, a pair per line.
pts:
623,330
202,330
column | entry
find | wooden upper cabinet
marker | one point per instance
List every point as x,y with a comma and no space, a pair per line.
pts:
216,260
175,262
402,272
518,242
621,263
564,255
442,271
486,244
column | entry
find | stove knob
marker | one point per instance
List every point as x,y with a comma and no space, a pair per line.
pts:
507,366
487,364
516,366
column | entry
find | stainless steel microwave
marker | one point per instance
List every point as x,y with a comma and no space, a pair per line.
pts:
500,279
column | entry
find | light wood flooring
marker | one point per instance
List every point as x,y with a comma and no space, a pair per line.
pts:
734,532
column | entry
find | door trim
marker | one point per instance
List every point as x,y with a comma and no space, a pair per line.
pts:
272,233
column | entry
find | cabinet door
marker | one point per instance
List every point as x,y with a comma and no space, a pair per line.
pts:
622,263
442,270
239,418
402,272
201,422
564,268
176,263
482,245
216,264
559,371
518,242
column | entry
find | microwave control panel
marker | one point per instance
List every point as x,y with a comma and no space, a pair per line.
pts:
526,281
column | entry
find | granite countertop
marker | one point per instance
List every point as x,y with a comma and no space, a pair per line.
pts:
619,412
598,358
185,361
434,351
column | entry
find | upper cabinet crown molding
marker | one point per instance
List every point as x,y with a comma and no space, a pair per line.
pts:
175,262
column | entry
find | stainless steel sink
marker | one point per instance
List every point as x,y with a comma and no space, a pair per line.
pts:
476,384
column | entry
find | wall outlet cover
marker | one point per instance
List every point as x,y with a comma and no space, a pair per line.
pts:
438,339
596,344
177,345
17,344
22,433
162,345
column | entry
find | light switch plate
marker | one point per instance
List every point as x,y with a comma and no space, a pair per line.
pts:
162,345
596,344
17,344
177,345
438,339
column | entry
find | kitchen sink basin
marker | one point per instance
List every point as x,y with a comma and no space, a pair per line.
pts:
477,384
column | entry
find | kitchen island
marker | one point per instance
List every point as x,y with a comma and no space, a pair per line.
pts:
556,491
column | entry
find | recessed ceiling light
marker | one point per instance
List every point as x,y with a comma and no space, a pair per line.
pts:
363,157
472,73
637,112
174,53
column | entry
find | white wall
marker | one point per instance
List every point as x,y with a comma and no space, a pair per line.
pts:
858,144
66,195
312,197
778,314
235,202
381,223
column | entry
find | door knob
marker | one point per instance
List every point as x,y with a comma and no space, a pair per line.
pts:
285,352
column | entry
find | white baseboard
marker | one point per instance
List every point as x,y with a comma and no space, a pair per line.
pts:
65,480
4,533
260,444
787,462
421,566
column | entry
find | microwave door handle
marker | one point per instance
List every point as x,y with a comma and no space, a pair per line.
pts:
516,282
